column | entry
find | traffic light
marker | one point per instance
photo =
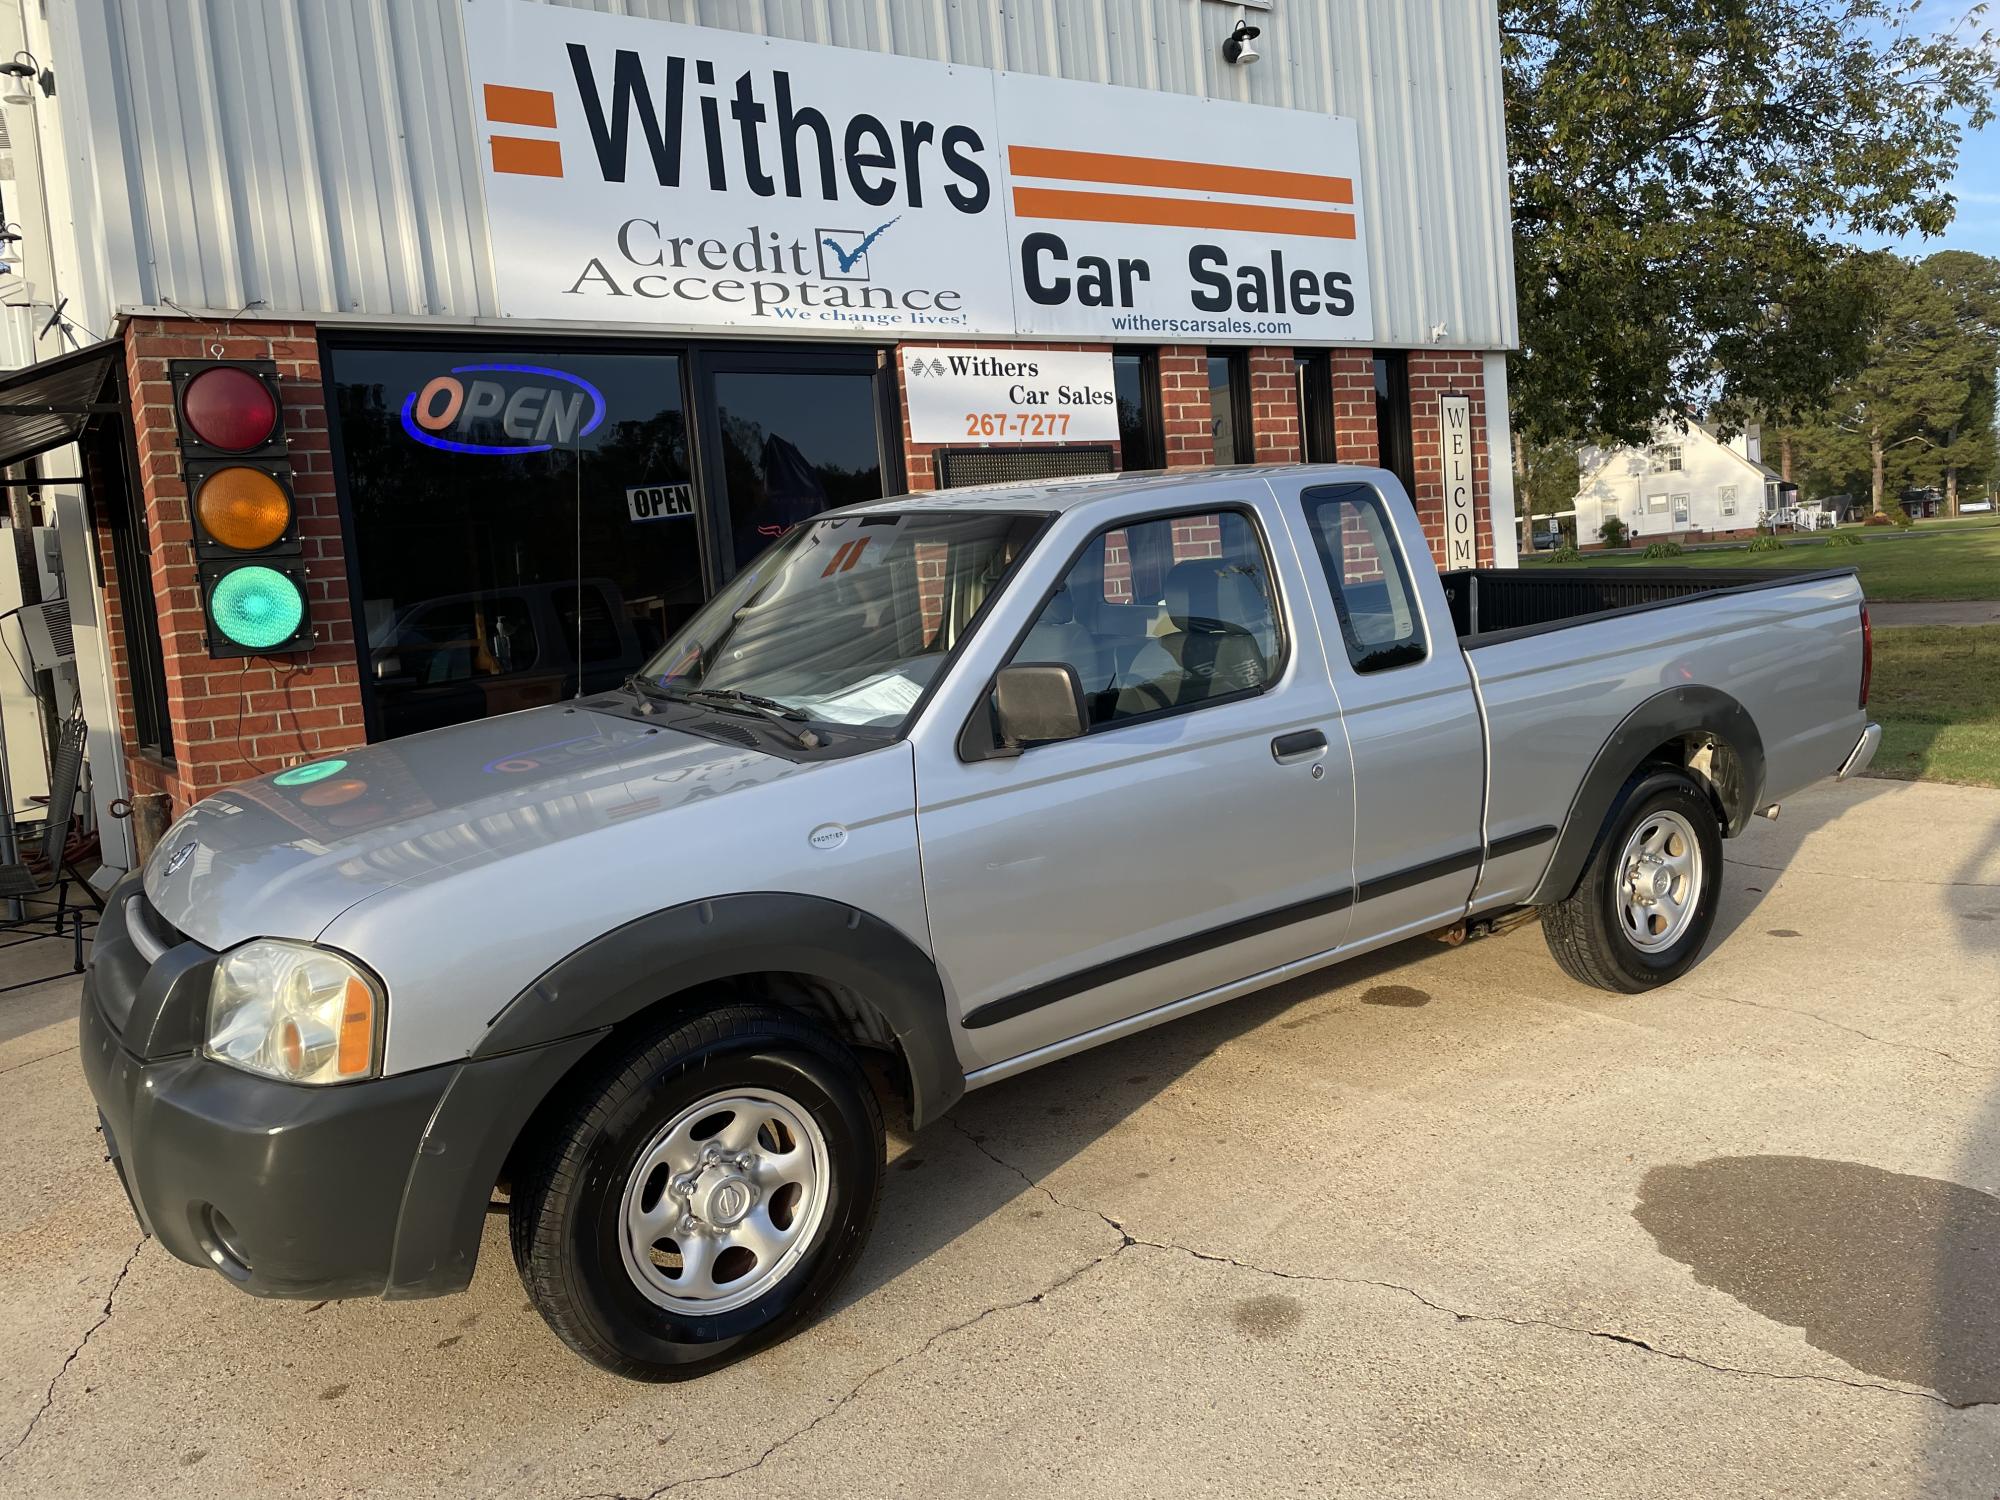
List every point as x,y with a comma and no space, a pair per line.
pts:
246,525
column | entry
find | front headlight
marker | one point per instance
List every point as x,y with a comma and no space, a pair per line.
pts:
295,1012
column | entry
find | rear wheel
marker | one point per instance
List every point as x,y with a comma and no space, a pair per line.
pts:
703,1196
1647,899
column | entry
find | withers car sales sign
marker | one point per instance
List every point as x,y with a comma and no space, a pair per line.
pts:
644,172
1009,395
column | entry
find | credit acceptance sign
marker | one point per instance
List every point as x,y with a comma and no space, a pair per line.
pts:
645,172
1009,396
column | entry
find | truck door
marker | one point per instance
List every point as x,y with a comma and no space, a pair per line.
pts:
1406,702
1199,832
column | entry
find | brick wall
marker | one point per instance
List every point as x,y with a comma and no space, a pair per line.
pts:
1435,373
919,459
240,717
1184,409
1274,407
1355,439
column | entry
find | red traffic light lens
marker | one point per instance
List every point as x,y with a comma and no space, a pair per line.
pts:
230,409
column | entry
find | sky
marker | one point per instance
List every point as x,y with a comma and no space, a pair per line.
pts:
1977,183
1977,188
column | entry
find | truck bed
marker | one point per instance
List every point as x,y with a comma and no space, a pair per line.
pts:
1491,605
1784,646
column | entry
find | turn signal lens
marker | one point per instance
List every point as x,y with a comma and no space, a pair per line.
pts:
357,1032
243,508
230,409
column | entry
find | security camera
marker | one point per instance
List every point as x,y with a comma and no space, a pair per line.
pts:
1240,48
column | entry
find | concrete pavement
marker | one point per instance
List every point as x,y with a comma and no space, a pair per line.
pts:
1438,1223
1888,613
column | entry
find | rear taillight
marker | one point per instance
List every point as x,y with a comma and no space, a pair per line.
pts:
1867,653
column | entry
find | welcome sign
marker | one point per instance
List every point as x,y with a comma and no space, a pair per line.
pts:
645,172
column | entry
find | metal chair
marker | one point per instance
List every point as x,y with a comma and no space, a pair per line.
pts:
21,880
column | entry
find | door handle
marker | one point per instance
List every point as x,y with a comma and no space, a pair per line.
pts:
1298,745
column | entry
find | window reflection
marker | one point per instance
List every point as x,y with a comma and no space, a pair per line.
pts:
490,581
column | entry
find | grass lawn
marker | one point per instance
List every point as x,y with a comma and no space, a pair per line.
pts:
1933,560
1936,694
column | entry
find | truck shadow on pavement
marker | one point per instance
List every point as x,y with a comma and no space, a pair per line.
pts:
928,1203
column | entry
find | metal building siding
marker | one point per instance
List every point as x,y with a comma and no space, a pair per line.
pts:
320,156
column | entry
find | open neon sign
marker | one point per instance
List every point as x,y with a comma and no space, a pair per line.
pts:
530,416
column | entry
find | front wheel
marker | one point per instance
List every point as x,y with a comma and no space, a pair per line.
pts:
1647,899
704,1194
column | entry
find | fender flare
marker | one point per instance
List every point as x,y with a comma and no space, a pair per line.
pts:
1609,783
543,1032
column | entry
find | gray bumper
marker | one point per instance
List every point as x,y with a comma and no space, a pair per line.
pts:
1862,753
361,1189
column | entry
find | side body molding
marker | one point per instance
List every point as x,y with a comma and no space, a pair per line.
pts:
669,952
1660,719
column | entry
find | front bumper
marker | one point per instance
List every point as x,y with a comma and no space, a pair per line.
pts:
287,1190
290,1190
1863,752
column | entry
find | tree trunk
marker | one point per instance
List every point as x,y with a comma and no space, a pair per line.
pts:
1785,457
1951,489
1876,454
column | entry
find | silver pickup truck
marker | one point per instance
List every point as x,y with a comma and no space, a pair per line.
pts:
957,783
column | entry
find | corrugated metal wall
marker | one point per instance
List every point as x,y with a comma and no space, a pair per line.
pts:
319,156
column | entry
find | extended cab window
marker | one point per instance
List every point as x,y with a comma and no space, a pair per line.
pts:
1364,567
1161,614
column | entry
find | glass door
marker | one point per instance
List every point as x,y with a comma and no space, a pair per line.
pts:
787,434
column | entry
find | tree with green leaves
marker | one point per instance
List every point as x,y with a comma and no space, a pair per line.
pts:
1919,413
1965,449
1681,171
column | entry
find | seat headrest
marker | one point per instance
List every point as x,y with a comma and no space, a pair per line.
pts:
1212,592
1061,608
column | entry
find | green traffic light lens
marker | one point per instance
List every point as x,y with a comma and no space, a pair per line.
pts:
256,607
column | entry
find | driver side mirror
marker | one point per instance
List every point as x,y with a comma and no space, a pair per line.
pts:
1036,704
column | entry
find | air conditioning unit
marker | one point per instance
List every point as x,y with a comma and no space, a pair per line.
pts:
46,628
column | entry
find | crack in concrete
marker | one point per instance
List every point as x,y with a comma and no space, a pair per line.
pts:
1971,885
854,1391
49,1396
1461,1315
1882,1041
1129,1241
59,1052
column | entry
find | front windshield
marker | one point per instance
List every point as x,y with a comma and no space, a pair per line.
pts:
848,619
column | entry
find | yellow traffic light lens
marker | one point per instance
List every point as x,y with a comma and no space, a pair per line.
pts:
243,508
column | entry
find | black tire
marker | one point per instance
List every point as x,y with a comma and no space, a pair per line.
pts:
1585,933
565,1219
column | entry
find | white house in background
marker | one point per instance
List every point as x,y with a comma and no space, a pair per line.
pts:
1686,483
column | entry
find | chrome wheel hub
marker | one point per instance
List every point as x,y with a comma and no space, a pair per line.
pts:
724,1201
1660,881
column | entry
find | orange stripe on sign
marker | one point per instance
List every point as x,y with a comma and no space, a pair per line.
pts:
506,105
526,158
1179,213
1163,172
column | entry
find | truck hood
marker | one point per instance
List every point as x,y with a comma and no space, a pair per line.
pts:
283,855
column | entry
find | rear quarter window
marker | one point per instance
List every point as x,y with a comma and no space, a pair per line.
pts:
1380,623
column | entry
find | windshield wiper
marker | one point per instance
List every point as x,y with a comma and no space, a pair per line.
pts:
769,706
645,687
730,700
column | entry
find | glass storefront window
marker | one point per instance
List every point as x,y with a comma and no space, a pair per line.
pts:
1229,406
794,443
1139,443
524,523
